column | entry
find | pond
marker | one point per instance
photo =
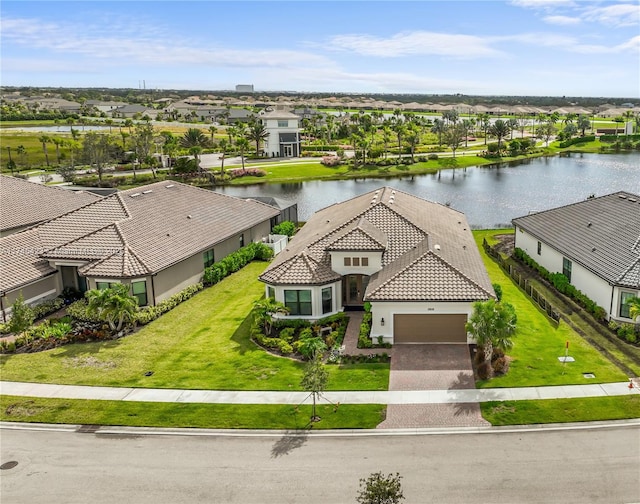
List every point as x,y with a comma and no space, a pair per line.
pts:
490,196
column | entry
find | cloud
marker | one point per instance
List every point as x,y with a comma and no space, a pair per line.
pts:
415,43
542,4
614,15
146,47
561,20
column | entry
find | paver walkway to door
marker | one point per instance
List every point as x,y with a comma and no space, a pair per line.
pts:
431,367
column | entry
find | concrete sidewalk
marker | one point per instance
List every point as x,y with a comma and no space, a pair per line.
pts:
350,397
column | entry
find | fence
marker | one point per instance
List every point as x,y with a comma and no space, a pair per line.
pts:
521,281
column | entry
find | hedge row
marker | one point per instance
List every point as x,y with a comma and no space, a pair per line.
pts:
577,140
235,261
561,283
149,313
614,138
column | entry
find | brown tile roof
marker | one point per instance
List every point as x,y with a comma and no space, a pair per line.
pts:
301,269
20,262
24,203
422,275
362,236
136,232
407,222
601,234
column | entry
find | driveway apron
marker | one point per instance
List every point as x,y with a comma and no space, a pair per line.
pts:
431,367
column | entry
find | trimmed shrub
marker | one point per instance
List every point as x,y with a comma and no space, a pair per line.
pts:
236,261
150,313
22,315
287,228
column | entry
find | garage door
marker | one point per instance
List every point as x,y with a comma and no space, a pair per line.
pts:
420,328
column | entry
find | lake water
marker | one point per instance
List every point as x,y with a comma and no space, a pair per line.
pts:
490,196
60,129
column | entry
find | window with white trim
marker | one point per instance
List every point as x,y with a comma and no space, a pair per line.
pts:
624,307
298,301
139,291
327,300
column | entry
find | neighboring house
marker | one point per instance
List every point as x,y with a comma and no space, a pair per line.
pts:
104,106
415,261
157,238
130,111
24,203
595,243
288,210
284,133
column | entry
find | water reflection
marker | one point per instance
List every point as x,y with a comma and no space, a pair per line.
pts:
489,195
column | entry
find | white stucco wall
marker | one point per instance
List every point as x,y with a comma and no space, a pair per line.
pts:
337,263
316,298
615,310
272,144
387,310
594,287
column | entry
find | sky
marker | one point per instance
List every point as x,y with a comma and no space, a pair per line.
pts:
515,47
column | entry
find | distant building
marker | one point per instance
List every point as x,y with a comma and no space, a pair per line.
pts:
284,133
244,88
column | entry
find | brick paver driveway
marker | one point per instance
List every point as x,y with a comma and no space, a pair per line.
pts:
431,367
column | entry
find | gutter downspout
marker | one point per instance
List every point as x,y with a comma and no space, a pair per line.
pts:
153,290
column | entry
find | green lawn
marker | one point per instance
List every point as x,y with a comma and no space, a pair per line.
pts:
539,342
201,344
588,409
212,416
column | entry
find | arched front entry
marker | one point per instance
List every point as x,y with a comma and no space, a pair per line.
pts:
353,287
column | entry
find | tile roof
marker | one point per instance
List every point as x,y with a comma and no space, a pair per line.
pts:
363,236
24,203
301,269
398,223
133,233
20,262
601,234
422,275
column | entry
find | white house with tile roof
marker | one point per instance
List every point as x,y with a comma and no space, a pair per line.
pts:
284,133
157,238
415,261
595,243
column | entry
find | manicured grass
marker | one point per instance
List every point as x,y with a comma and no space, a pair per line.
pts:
588,409
539,342
201,344
212,416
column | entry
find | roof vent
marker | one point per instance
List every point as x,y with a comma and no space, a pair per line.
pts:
169,186
135,195
622,196
188,216
588,224
147,191
632,200
436,247
593,249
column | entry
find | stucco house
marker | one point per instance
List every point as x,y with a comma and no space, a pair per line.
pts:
415,261
283,133
24,203
595,243
157,238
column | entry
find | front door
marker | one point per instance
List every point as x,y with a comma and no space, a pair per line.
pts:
288,150
353,287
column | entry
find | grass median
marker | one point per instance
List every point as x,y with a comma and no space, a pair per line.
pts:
211,416
587,409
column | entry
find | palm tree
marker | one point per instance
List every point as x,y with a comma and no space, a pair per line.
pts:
113,305
257,133
109,122
213,130
45,139
194,140
400,129
484,121
128,123
264,311
438,128
493,325
223,145
242,144
22,152
57,142
499,129
386,139
583,123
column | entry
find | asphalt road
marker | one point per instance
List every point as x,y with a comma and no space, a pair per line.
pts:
593,466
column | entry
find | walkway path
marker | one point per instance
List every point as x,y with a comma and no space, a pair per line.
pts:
453,396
